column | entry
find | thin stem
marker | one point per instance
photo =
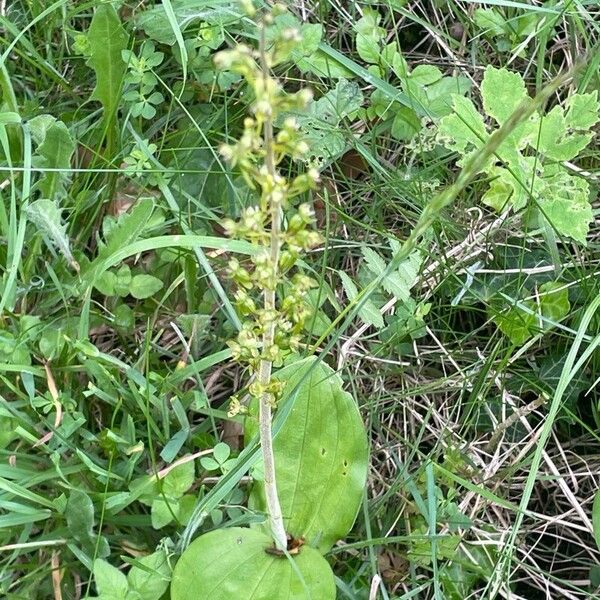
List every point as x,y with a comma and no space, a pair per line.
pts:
265,369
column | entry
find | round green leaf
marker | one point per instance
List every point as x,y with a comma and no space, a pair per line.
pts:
321,456
144,286
229,564
221,452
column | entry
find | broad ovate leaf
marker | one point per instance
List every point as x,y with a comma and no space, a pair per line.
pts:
144,285
321,455
439,94
235,563
425,74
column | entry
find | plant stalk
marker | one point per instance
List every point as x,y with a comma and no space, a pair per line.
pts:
266,366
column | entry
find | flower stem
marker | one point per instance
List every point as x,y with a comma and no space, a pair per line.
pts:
265,370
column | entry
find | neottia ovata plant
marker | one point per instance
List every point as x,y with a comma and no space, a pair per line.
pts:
314,471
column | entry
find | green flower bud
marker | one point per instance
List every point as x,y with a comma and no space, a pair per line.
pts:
306,213
236,407
245,304
256,389
287,260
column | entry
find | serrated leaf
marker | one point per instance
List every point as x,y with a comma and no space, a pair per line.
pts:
564,201
229,564
46,216
54,153
374,261
555,140
502,92
368,312
151,581
398,283
583,110
464,129
555,137
128,227
320,123
408,270
107,39
338,103
321,455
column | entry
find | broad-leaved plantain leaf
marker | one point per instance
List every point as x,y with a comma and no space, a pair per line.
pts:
321,455
231,564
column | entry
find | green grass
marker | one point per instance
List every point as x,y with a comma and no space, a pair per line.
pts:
99,391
